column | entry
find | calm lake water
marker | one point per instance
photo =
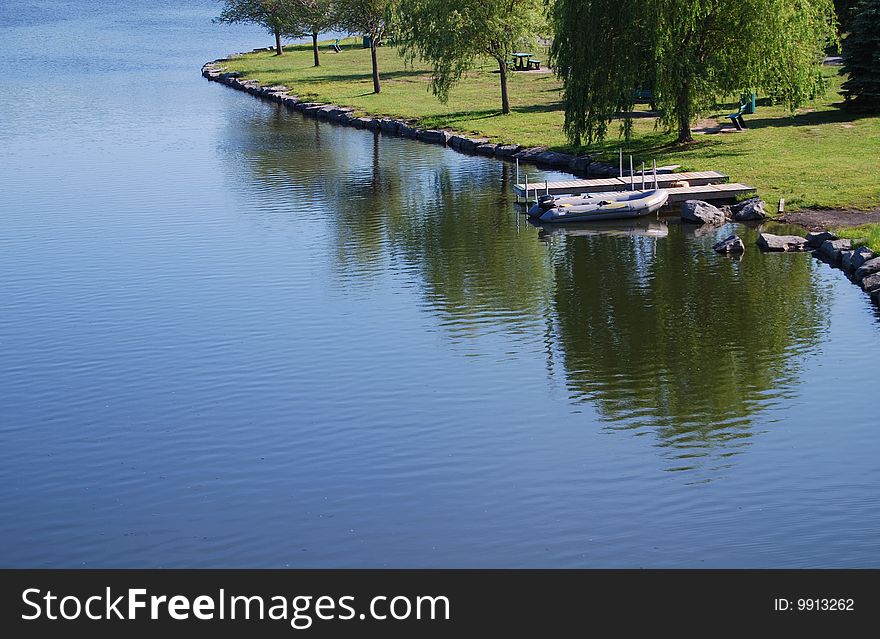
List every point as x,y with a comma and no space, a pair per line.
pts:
233,337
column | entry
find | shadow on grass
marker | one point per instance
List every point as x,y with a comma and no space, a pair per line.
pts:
813,118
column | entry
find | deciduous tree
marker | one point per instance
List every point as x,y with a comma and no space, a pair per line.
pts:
451,35
371,18
691,53
314,17
276,16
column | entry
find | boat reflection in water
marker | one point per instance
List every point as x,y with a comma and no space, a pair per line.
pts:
637,227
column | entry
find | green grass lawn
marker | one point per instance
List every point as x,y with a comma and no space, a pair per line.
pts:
867,235
820,156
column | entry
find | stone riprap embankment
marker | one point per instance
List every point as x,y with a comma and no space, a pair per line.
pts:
860,263
584,166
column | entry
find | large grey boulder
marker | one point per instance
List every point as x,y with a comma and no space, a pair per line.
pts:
699,212
406,131
860,256
752,209
732,244
781,243
553,159
831,249
815,239
433,136
529,154
487,149
388,126
871,283
507,150
868,268
468,145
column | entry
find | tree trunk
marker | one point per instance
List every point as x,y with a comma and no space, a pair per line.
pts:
683,111
505,102
278,49
376,87
315,48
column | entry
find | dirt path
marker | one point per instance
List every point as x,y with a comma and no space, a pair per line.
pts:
822,219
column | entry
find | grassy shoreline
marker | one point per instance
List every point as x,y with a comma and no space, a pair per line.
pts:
819,157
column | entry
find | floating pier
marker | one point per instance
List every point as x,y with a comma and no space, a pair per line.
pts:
701,185
602,185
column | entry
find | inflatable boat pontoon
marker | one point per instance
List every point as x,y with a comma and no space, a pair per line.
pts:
598,206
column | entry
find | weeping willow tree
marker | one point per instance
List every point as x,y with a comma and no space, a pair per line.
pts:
452,35
691,53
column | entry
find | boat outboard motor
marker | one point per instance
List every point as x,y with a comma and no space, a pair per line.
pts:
546,202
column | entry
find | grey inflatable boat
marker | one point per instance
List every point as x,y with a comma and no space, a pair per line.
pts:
598,206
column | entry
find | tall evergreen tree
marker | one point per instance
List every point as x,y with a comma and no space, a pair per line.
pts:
691,52
844,9
861,56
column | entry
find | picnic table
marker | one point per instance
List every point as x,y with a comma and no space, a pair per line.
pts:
521,60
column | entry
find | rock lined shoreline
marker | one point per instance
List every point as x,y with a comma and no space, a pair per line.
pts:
584,165
860,264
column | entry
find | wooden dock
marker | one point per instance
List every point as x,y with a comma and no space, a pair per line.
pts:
677,195
601,185
703,185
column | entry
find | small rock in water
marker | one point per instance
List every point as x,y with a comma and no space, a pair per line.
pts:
817,239
860,256
752,209
831,249
868,268
871,283
699,212
732,244
783,243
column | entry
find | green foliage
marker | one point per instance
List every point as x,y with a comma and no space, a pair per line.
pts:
276,16
691,53
844,10
861,56
313,16
372,18
452,35
806,157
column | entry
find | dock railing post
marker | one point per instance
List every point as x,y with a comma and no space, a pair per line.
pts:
621,162
527,189
517,170
655,174
632,184
546,186
643,176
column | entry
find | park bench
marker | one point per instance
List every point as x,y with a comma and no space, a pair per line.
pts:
534,63
746,107
644,96
737,118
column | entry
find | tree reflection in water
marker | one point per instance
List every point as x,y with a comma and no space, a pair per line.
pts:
645,323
